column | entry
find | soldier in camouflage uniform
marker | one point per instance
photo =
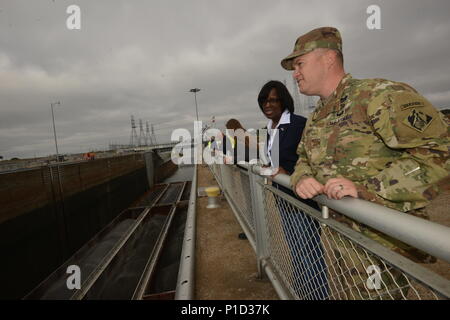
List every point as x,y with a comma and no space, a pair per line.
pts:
373,139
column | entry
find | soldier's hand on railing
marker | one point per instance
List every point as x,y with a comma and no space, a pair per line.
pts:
308,188
337,188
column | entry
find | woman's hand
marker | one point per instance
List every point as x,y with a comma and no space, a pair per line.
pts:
278,171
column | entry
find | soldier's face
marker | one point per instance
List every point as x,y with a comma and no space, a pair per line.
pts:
309,72
272,107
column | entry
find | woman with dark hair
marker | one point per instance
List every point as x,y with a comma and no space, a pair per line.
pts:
302,232
276,103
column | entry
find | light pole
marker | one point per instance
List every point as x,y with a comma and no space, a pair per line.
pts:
54,129
195,90
61,195
197,142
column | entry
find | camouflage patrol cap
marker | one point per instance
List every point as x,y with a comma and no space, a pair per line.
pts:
325,37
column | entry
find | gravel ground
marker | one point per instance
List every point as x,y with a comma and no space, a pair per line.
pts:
225,265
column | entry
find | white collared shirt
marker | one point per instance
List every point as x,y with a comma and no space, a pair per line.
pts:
285,119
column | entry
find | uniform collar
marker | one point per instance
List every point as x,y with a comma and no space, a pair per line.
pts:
285,119
328,105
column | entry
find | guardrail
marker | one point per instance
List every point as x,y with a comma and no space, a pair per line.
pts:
307,255
186,270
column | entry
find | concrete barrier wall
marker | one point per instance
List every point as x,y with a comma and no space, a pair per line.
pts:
44,220
26,190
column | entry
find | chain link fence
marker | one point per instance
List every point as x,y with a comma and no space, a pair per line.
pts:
314,258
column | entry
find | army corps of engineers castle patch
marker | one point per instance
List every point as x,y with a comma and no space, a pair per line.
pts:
418,120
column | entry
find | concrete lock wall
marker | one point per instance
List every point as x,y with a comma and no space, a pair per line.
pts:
46,216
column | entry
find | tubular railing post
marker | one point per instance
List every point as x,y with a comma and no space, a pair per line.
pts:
325,214
217,172
224,177
258,211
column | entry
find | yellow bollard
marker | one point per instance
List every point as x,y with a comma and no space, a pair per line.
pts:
213,193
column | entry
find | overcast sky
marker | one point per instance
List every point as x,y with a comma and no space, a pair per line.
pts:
141,58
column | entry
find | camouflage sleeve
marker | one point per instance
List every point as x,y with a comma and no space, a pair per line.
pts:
302,167
408,123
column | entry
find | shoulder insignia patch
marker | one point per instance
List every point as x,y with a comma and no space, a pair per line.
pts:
409,105
418,120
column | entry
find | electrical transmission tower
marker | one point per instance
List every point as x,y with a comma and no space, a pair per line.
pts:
297,104
133,138
148,137
153,135
141,134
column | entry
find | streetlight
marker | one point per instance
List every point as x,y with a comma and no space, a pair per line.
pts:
54,129
195,90
197,142
61,195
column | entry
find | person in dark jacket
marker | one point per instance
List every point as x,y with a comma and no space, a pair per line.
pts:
277,105
301,231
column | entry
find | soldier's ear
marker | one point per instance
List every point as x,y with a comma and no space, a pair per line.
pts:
330,57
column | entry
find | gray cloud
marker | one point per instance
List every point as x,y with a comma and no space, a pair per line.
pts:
142,57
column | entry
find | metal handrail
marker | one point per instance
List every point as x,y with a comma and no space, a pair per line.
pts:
186,271
425,235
